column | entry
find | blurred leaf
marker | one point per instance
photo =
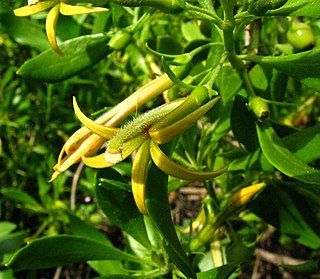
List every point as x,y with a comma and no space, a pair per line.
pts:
60,250
255,161
222,272
79,54
260,76
108,267
282,206
121,209
301,66
282,158
158,207
12,242
24,198
191,31
6,228
298,8
25,32
80,228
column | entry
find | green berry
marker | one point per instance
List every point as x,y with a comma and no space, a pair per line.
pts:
300,36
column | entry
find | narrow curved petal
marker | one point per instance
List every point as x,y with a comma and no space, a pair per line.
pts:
36,8
97,162
51,24
139,171
103,131
167,165
68,10
166,134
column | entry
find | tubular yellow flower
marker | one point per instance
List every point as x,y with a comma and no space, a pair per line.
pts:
90,138
57,7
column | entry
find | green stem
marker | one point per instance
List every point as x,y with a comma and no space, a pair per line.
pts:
206,14
229,26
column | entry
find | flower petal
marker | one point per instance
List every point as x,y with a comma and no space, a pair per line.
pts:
166,134
245,194
36,8
97,162
67,10
167,165
103,131
51,24
139,171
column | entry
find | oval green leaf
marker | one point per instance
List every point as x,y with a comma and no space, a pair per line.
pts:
79,54
60,250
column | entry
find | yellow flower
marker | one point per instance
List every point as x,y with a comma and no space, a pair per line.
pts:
85,142
143,134
56,7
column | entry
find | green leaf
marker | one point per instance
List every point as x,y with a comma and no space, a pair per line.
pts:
24,198
242,124
80,228
6,228
282,206
60,250
25,32
158,207
298,8
79,54
121,209
302,66
222,272
12,242
282,158
303,144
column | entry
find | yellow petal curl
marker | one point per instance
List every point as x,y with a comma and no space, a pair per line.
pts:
36,8
51,23
167,165
139,171
68,10
103,131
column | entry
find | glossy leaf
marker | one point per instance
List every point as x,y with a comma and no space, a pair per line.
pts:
285,208
282,158
60,250
121,209
301,66
298,8
79,54
221,272
158,207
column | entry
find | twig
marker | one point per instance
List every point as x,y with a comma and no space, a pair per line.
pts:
74,184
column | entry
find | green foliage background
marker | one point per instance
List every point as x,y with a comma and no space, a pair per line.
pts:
37,117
